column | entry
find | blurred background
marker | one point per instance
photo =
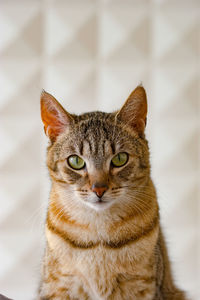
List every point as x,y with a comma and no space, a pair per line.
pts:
90,55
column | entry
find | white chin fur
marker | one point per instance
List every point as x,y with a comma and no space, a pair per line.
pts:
98,206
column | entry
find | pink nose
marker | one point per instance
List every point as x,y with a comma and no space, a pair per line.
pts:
99,189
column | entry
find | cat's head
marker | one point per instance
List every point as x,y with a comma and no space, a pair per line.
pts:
98,159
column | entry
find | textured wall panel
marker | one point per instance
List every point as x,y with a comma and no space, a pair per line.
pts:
90,54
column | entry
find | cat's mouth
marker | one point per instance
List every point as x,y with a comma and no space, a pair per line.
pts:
100,201
99,204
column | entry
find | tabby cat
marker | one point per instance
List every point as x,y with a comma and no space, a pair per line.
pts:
103,237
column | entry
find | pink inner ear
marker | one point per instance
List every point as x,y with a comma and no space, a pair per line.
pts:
53,125
55,121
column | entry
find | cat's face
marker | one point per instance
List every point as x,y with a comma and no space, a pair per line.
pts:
98,159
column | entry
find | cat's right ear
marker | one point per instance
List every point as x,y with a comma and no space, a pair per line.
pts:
54,117
134,110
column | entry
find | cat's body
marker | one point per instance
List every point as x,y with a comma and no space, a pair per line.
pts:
104,240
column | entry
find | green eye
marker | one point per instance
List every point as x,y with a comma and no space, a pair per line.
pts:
76,162
120,159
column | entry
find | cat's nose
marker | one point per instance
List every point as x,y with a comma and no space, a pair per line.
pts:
99,189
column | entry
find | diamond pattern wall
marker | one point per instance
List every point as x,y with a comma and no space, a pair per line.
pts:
90,54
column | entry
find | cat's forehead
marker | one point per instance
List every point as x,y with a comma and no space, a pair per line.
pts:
96,126
94,134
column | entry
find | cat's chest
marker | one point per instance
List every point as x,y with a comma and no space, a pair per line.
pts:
102,268
102,257
106,269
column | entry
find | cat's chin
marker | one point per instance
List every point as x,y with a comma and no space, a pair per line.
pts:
98,206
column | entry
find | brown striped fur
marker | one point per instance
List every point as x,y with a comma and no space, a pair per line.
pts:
111,250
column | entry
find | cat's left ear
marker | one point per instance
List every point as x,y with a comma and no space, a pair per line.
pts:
134,110
54,117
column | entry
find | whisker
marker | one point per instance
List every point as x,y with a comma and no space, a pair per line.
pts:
36,212
140,203
59,214
133,192
146,195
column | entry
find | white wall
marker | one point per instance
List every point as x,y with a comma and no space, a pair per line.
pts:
90,55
